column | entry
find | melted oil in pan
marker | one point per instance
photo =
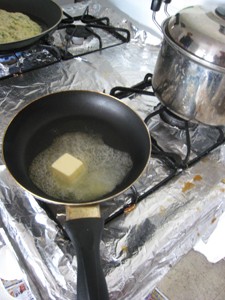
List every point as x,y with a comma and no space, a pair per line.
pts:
105,167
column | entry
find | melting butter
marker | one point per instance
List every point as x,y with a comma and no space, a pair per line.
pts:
105,166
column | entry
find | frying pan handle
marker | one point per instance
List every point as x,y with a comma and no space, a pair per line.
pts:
85,234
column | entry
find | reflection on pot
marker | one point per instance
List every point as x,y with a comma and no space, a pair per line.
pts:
186,40
188,88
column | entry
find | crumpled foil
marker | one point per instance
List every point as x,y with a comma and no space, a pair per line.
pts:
140,246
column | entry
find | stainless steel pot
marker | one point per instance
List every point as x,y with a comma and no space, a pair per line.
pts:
189,76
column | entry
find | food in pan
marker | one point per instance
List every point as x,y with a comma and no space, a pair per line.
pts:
105,167
15,26
68,169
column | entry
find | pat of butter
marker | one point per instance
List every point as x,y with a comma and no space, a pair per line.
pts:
67,168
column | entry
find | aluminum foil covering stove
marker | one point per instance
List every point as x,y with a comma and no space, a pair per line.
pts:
139,247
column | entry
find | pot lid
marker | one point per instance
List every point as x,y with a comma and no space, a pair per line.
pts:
200,32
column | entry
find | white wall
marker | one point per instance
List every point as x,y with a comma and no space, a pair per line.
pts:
139,10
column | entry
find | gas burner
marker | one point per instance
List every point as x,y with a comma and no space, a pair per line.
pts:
79,31
172,119
77,34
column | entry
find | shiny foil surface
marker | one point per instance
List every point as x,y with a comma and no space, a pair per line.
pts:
140,246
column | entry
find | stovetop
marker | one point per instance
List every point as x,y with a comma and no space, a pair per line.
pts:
75,36
143,236
194,142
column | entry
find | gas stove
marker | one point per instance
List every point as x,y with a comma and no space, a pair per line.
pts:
194,142
75,36
149,228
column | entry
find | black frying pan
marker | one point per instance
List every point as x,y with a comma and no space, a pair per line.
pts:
45,12
35,127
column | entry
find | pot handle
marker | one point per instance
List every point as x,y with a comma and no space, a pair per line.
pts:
165,7
155,6
85,235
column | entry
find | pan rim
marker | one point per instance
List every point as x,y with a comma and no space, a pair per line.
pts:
50,199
